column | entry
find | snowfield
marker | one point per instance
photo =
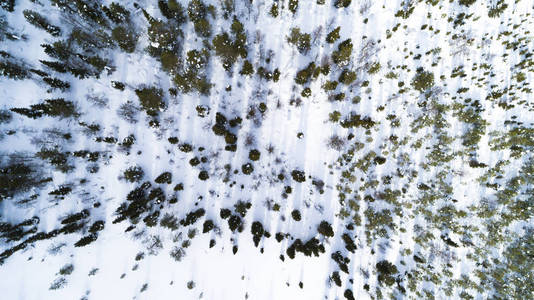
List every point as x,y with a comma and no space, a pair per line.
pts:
286,149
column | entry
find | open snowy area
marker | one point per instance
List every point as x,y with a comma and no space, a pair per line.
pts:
266,149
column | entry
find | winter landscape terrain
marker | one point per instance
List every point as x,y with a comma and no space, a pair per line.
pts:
267,149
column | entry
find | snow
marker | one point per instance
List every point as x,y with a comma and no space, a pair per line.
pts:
217,272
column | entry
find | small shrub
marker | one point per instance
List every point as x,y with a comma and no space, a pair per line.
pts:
66,269
254,155
342,3
333,35
247,168
336,142
330,85
274,10
374,68
467,2
342,55
203,175
298,176
165,177
347,77
247,68
306,92
301,40
296,215
423,80
151,99
325,229
134,174
293,6
386,270
305,75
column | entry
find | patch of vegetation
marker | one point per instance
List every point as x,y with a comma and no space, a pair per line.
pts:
341,56
300,40
333,35
41,22
151,100
230,49
58,107
423,80
164,178
198,13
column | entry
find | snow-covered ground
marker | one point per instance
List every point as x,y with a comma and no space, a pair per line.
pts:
427,189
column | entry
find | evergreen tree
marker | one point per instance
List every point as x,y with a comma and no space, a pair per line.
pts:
41,22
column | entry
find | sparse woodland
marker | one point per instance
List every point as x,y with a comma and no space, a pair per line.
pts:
277,149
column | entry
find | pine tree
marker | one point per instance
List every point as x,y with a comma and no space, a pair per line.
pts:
41,22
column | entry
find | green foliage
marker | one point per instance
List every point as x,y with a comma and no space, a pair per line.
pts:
55,158
407,8
118,85
305,75
374,68
247,68
203,28
386,271
169,61
497,9
298,176
330,85
125,38
333,35
423,80
197,12
151,99
342,55
228,8
342,3
66,269
172,9
192,217
79,65
18,175
229,50
254,155
274,10
334,116
306,92
13,70
41,22
347,77
55,83
192,78
467,2
301,40
163,36
325,229
117,13
518,139
164,178
51,107
203,175
247,168
293,5
355,120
